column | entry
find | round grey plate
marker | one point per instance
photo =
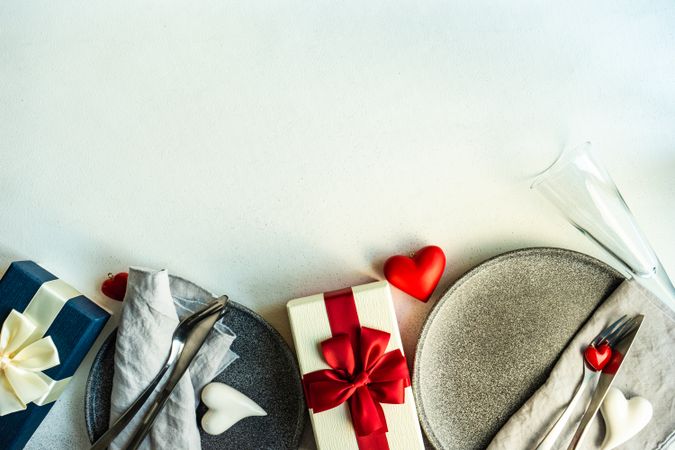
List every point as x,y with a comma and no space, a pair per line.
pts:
492,339
265,371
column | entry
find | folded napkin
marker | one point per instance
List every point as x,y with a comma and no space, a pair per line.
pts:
152,308
648,371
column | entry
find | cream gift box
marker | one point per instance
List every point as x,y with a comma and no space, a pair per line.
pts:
360,313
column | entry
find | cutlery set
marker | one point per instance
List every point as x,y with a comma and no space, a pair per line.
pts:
612,344
187,339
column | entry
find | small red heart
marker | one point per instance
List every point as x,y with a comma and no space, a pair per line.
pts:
598,357
115,286
419,275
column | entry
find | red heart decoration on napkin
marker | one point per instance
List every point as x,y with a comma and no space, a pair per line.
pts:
115,286
598,357
418,275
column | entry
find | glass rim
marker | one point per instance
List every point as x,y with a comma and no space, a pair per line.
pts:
562,160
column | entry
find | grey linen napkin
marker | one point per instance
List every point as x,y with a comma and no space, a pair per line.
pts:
152,308
648,371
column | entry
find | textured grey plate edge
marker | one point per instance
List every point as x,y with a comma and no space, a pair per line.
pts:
89,401
426,427
89,406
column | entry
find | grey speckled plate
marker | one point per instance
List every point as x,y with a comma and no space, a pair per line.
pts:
492,339
265,371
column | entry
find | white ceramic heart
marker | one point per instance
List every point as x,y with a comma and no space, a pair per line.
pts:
226,406
623,418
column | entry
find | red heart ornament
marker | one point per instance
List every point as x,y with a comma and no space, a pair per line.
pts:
598,357
418,275
115,286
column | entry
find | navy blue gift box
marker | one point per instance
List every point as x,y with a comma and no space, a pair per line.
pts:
73,330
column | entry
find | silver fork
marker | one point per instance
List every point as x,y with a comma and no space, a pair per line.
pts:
613,333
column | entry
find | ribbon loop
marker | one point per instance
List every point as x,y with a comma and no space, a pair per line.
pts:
364,380
339,354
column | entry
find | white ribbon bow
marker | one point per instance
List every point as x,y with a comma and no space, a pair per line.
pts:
22,359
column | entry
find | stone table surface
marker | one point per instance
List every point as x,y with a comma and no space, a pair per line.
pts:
272,150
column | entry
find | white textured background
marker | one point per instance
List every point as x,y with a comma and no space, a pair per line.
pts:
274,149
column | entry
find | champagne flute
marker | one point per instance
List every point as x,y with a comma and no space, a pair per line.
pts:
581,188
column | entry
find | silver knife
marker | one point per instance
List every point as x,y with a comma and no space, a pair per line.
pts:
619,353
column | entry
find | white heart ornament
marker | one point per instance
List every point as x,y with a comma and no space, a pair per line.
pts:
623,418
226,406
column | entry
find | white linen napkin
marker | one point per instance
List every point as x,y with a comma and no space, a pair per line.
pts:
648,371
152,308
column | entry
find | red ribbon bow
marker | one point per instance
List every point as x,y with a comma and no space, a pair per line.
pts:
365,380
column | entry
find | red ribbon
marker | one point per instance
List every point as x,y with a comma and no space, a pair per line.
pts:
361,373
